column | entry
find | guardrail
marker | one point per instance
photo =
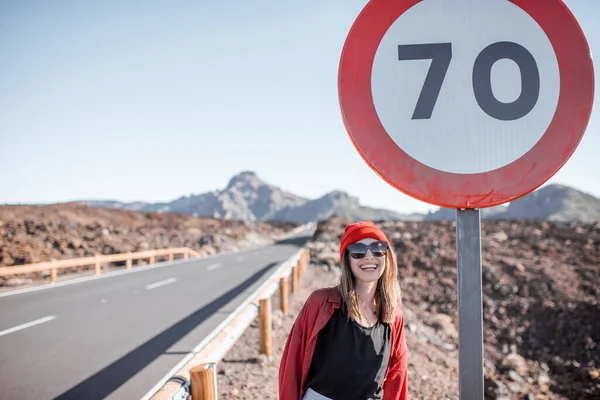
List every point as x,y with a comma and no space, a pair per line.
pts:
196,374
97,261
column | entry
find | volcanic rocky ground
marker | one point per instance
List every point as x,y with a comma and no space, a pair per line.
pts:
541,284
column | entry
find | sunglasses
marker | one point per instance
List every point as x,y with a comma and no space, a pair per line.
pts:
359,250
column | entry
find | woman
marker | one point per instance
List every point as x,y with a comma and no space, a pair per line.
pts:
347,342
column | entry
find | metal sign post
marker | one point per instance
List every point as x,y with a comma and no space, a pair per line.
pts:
470,303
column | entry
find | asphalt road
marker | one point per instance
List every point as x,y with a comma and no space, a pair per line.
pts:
116,337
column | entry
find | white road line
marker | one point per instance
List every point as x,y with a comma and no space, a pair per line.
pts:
161,283
213,266
27,325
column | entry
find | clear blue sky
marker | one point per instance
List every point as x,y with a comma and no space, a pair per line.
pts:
146,100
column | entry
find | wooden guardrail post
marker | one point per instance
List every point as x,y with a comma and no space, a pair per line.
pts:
53,275
304,260
97,265
170,256
186,255
295,278
265,327
128,263
304,264
202,382
151,261
283,294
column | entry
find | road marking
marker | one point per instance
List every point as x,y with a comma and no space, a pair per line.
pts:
213,266
161,283
27,325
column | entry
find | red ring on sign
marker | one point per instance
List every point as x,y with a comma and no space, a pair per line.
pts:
479,190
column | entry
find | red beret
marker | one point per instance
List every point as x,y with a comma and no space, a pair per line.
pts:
358,231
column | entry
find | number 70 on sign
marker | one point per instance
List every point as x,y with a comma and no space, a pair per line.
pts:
441,56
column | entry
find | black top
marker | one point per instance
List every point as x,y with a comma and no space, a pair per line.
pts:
350,360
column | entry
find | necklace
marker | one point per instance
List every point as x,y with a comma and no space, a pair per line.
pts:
369,315
369,318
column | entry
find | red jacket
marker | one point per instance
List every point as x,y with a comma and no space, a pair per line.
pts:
300,347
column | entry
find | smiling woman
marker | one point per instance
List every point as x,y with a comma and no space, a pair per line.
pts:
348,341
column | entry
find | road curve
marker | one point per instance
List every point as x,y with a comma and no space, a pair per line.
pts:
116,337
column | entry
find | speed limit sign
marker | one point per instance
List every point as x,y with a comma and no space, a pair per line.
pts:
466,103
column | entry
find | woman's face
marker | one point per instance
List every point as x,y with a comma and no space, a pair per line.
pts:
369,268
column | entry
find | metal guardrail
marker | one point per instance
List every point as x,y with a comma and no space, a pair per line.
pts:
97,261
186,378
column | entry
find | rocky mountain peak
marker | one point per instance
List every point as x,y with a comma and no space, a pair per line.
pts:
557,203
245,180
338,196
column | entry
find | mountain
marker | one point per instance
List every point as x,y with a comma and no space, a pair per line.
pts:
449,214
340,204
246,197
552,203
137,206
556,203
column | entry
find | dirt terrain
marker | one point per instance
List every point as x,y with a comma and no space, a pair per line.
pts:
30,234
541,311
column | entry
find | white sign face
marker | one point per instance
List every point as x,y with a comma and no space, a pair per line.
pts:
465,95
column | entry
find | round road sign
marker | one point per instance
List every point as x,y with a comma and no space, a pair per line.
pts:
466,103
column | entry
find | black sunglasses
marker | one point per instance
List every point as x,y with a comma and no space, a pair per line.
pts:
359,250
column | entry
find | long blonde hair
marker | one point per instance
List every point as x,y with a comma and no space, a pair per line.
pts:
388,294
